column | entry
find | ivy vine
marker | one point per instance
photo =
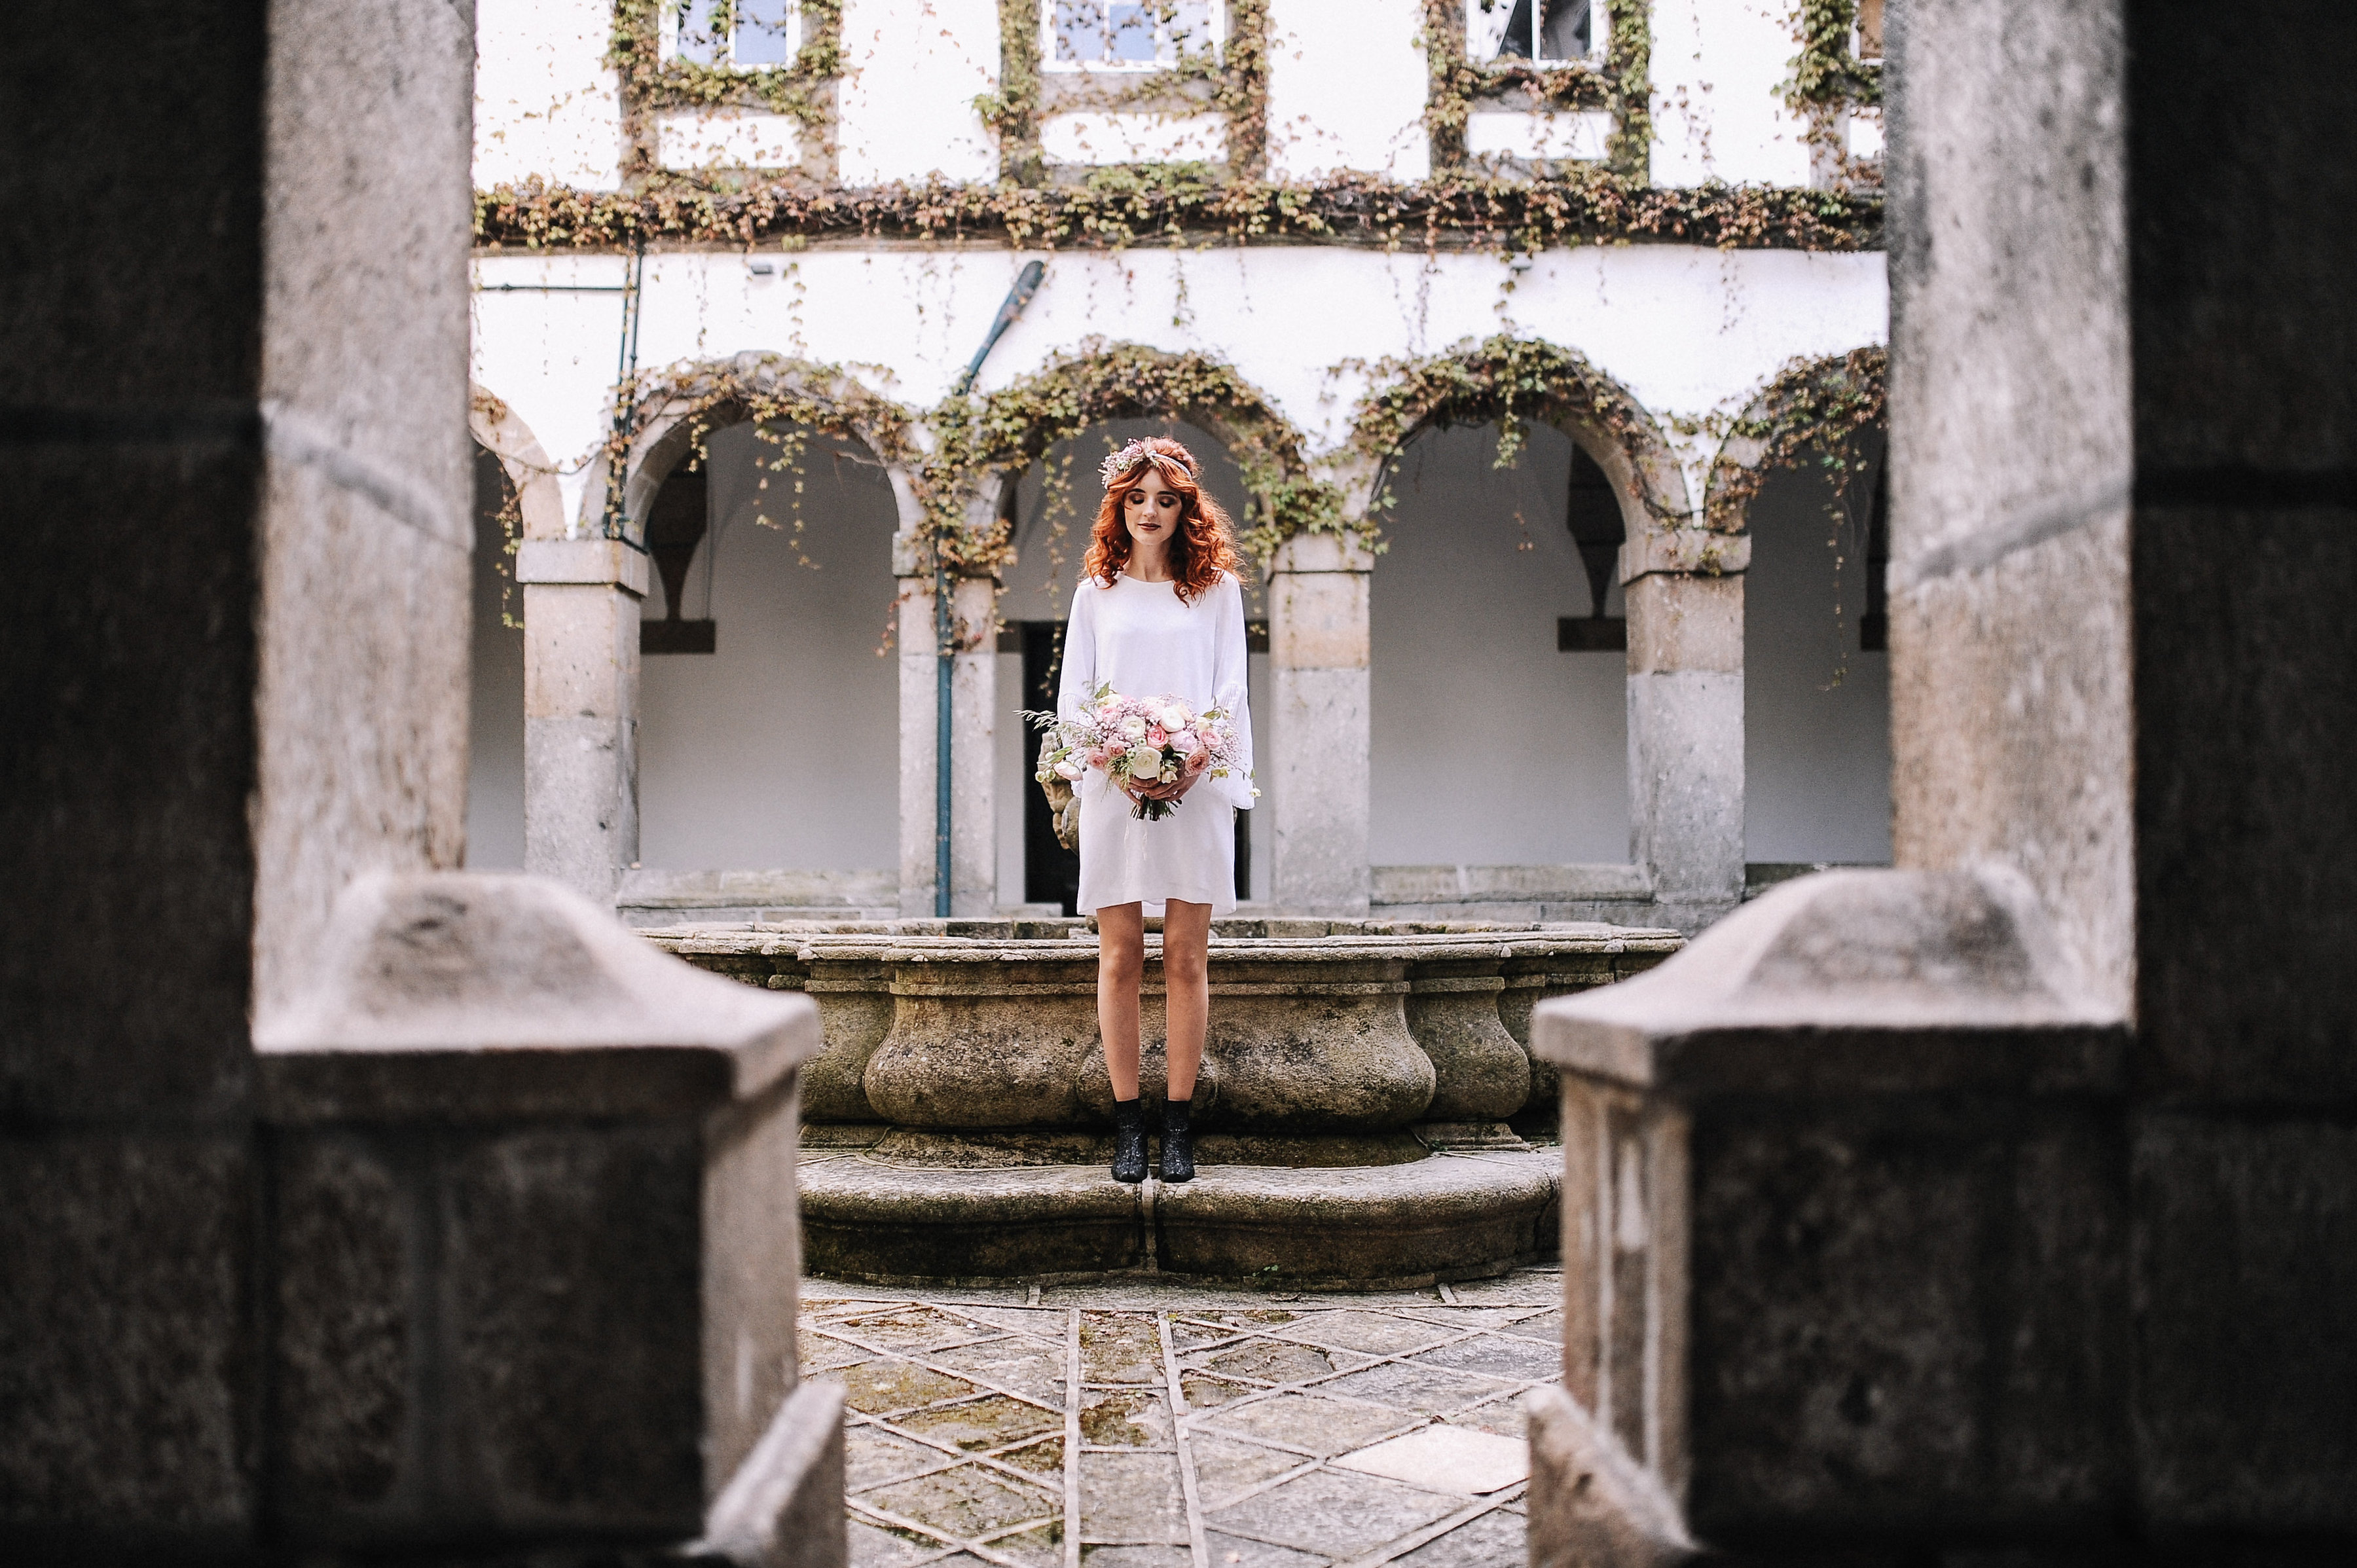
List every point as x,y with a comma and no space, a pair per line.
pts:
1621,85
1187,205
1234,81
805,91
1828,78
1012,429
1813,412
1505,380
786,401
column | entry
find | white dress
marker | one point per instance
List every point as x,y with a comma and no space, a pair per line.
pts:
1148,642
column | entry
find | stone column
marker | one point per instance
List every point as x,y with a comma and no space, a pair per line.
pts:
973,720
2014,1189
1684,595
1316,744
581,599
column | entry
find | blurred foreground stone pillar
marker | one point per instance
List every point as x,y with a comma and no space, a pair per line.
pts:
2008,1201
493,1250
1317,742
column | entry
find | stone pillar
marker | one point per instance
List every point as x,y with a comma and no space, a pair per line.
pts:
1684,595
581,599
236,684
2012,1193
973,720
1315,744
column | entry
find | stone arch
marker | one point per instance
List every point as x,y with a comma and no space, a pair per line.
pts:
1811,400
675,410
497,431
1510,381
988,440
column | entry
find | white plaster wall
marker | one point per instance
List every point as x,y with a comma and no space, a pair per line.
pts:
1346,89
495,731
1687,329
545,102
912,70
1717,111
782,749
1816,719
1489,747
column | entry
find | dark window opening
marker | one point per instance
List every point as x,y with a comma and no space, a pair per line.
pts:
1567,30
677,525
1592,513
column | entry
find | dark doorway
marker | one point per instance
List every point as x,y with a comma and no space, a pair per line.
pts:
1052,873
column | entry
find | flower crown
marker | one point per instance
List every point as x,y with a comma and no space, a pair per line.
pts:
1136,452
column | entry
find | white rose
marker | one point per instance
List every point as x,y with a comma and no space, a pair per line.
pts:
1067,769
1134,727
1173,717
1145,764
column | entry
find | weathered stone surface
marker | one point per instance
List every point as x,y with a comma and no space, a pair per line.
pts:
1591,1505
1439,1217
783,1509
1479,1072
123,1360
864,1220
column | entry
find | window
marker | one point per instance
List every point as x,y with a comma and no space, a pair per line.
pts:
1545,32
740,33
1867,42
1114,35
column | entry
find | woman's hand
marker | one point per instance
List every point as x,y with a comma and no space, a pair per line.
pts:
1190,771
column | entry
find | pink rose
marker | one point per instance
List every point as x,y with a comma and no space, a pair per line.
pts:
1184,742
1157,735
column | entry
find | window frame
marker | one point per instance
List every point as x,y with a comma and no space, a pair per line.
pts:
1049,62
795,39
1599,37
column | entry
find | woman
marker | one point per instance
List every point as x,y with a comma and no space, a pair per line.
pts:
1158,613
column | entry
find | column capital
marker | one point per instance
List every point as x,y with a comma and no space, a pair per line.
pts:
1694,551
582,562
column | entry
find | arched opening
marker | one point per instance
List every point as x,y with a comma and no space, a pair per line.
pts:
1050,508
1816,718
495,747
1498,673
769,723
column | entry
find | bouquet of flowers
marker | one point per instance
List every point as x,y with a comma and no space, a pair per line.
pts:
1136,740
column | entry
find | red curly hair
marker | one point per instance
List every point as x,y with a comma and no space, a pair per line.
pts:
1205,543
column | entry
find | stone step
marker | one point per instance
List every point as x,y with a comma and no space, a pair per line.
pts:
876,1214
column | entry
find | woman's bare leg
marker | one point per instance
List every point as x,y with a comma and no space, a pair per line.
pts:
1186,933
1121,961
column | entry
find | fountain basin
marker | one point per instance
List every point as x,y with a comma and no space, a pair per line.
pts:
1354,1104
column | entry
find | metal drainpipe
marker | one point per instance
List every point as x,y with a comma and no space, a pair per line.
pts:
1026,283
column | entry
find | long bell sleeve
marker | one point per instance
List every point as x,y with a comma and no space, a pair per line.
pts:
1080,675
1232,690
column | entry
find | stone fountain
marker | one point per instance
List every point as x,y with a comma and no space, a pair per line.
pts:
1367,1108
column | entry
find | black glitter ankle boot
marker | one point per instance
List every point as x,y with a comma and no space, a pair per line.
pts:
1178,1143
1128,1141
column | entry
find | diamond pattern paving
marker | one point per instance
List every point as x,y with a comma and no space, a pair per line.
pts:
1136,1426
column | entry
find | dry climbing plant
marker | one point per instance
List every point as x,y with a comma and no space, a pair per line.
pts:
1620,85
1505,380
787,402
803,90
1231,79
1012,429
1814,413
1828,78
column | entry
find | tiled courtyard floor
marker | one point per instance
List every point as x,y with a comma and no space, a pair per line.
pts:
1180,1428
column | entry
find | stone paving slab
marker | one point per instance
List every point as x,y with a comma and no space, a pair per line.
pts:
1127,1425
